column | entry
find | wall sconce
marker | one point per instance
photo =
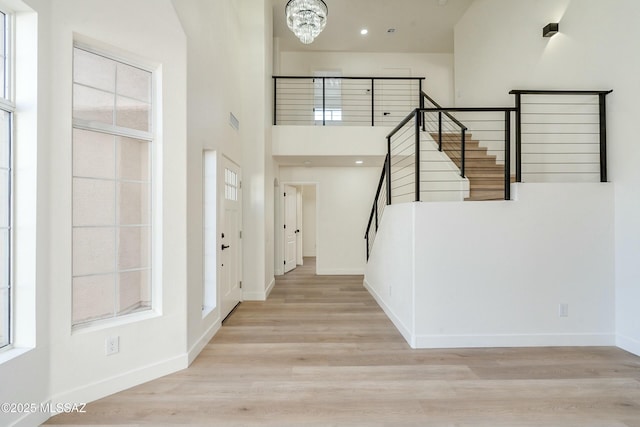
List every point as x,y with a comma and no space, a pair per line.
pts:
550,29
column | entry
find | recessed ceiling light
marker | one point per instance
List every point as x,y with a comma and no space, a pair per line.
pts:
443,2
364,31
307,162
391,30
359,162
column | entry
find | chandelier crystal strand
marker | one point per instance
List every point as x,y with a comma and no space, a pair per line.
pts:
306,18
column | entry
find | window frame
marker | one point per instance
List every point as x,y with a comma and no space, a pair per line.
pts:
151,138
7,104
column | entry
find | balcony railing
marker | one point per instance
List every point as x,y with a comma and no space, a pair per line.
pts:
340,101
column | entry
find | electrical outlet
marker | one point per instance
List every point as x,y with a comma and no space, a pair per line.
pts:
563,310
112,345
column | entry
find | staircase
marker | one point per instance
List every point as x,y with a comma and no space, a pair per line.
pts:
485,175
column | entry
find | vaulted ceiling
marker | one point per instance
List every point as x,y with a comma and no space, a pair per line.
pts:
424,26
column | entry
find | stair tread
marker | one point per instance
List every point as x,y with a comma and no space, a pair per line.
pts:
485,175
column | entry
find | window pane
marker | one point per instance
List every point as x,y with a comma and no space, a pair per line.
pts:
4,316
133,291
93,202
93,297
133,159
134,83
133,114
4,287
93,250
4,258
93,154
133,203
3,55
94,70
5,138
5,192
133,248
92,105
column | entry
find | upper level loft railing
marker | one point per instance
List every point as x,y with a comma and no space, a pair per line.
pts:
443,154
340,101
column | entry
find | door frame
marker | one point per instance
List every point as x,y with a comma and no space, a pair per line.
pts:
290,232
220,224
279,215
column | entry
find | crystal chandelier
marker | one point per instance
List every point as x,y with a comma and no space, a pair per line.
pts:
306,18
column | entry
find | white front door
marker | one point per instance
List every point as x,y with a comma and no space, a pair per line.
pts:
290,227
231,291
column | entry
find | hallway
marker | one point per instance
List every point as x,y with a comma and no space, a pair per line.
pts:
321,352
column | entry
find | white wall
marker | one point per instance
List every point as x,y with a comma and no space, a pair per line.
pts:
488,64
212,95
437,68
344,199
330,141
80,370
74,368
390,271
309,220
258,168
494,273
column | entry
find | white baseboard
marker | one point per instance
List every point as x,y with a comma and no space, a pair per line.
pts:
340,271
404,331
199,345
31,419
514,340
122,381
628,344
259,296
270,287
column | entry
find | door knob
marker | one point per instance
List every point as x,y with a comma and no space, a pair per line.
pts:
224,247
297,231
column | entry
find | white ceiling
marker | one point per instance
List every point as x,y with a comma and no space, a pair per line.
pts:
422,26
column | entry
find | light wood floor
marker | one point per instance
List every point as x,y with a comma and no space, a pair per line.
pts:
320,352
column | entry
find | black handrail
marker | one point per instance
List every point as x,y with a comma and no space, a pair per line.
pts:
453,119
558,92
349,77
374,208
402,123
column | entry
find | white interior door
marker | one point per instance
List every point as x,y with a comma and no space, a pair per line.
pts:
290,227
299,228
231,292
395,99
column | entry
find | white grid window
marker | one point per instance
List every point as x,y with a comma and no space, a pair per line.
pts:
230,185
112,142
7,108
328,89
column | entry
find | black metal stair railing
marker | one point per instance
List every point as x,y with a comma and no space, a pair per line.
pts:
431,163
419,168
558,136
